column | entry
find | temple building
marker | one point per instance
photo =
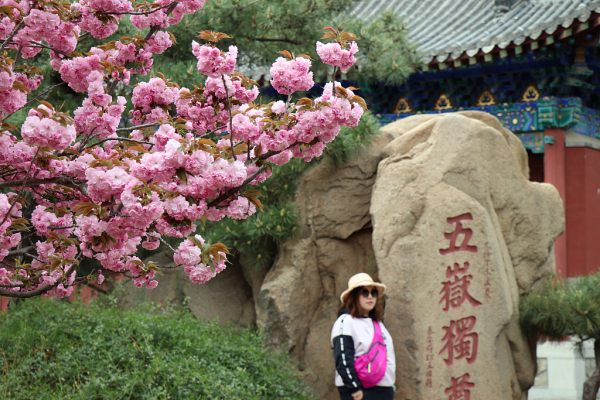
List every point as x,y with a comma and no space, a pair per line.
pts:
535,65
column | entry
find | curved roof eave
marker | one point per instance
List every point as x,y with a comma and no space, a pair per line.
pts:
451,29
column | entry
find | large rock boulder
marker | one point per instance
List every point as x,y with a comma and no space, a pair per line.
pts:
299,297
459,232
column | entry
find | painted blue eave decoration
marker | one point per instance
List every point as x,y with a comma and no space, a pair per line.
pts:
529,119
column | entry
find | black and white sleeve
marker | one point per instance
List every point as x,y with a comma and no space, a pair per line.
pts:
343,352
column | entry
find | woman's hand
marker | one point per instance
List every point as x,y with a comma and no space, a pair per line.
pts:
357,395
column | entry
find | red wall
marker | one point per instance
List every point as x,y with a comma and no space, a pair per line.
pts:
583,210
4,303
555,173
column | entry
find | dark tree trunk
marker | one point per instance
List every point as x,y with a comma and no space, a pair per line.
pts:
12,302
591,385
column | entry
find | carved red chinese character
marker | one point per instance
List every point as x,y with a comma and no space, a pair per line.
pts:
455,291
459,388
460,341
467,233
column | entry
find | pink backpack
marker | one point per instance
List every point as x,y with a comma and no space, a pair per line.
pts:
370,367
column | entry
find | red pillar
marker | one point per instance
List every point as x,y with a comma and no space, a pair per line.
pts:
554,173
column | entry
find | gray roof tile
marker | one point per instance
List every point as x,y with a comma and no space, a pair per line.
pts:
449,28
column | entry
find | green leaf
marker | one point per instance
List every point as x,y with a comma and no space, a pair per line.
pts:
182,174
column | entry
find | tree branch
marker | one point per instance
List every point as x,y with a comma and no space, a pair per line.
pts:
230,118
20,252
35,292
18,55
168,266
285,40
275,152
22,187
12,34
36,182
134,12
96,288
263,157
133,128
249,4
117,139
43,46
63,227
234,190
164,241
36,97
152,31
11,286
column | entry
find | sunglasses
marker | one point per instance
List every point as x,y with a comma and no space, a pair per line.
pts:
365,293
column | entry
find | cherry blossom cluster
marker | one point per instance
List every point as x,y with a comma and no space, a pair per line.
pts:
103,190
291,76
45,25
340,52
89,16
161,17
14,87
212,62
333,54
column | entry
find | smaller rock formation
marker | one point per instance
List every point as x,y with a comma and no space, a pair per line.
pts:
458,233
226,297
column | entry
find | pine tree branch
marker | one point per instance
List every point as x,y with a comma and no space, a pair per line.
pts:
285,40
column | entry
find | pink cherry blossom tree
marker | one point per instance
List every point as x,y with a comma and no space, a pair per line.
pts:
100,190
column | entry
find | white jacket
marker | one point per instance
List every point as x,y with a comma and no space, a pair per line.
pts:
361,332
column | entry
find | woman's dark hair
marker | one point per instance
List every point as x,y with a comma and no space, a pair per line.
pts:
350,306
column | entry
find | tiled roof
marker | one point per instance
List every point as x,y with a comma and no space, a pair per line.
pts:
449,29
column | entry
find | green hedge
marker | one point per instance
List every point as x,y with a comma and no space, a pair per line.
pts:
57,350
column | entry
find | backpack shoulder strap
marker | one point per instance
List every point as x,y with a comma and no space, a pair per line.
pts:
342,324
377,334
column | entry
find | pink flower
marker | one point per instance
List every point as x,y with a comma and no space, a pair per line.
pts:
188,254
153,93
198,162
244,128
212,63
290,76
333,54
44,249
100,277
7,78
244,95
282,158
159,42
240,208
41,220
278,107
177,207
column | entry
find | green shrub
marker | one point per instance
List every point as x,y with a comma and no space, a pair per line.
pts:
52,349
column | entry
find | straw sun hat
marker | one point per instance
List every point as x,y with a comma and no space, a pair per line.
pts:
359,280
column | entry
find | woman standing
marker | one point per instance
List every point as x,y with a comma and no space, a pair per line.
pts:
362,347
